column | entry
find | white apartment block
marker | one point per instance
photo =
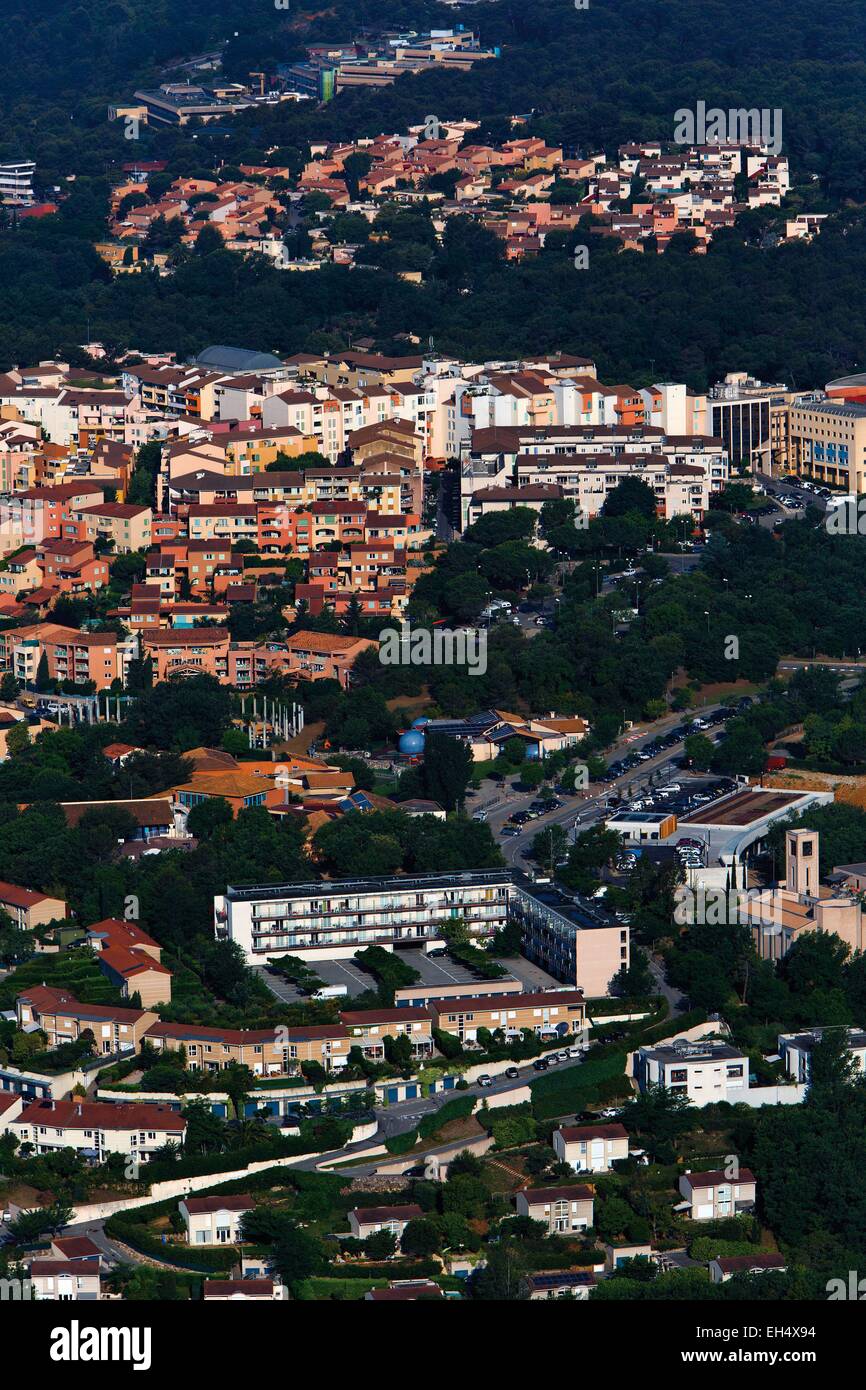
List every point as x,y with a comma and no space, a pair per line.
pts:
705,1072
95,1129
326,921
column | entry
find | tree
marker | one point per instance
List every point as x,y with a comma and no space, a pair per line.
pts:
208,816
446,770
503,1279
18,739
43,681
297,1255
631,495
381,1245
421,1238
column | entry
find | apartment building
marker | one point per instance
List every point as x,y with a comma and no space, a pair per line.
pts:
797,1048
368,1030
324,656
214,1220
548,1014
575,943
126,525
63,1019
705,1072
243,1291
563,1210
71,654
716,1196
96,1129
324,921
591,1148
266,1051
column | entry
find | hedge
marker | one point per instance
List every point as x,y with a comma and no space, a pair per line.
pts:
457,1109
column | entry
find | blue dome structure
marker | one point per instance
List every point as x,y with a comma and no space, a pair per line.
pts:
411,743
420,723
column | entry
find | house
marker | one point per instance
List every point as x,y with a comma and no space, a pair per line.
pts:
131,959
404,1291
762,1262
559,1283
63,1019
70,1281
715,1195
242,1291
214,1220
366,1221
95,1128
28,908
76,1248
561,1209
591,1148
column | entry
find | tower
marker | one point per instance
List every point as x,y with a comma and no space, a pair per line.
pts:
801,862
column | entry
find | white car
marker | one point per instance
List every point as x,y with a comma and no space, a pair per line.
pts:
485,1080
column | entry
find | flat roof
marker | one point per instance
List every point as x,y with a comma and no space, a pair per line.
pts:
742,808
325,887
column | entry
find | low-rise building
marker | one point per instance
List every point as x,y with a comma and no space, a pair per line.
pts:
28,908
797,1048
266,1051
243,1291
560,1209
591,1148
560,1283
96,1129
70,1281
369,1029
366,1221
63,1019
404,1291
705,1072
762,1262
714,1196
548,1014
214,1220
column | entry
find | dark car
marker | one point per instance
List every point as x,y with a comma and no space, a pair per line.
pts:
540,1064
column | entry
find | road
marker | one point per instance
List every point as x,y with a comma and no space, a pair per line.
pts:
579,813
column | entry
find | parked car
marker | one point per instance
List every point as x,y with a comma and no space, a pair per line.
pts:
479,815
575,1052
485,1080
553,1059
512,1073
437,952
540,1064
509,831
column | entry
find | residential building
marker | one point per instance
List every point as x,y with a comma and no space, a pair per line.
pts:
548,1014
30,909
366,1221
560,1283
324,921
68,1281
724,1267
132,960
63,1019
705,1072
243,1291
591,1148
96,1129
214,1220
368,1030
715,1196
266,1051
561,1209
404,1291
797,1048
